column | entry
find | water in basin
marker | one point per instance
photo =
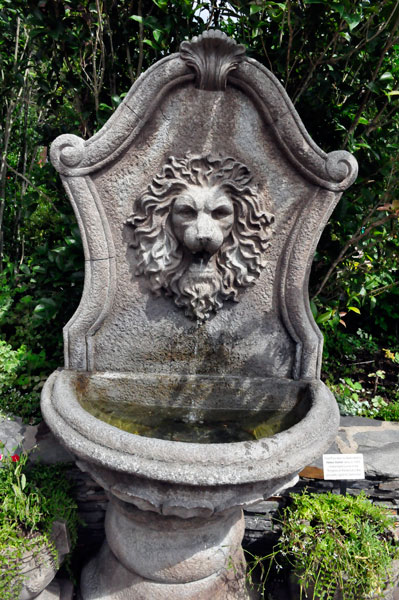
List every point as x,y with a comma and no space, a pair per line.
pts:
196,409
183,424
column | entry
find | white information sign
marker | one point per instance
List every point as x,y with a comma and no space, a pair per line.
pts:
343,466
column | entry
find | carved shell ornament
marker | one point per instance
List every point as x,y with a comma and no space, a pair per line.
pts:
199,233
212,55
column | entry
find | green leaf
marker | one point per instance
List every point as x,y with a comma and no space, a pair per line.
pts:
373,87
353,21
151,43
23,481
313,308
106,107
325,317
17,490
355,309
24,269
157,33
386,76
255,8
117,100
162,4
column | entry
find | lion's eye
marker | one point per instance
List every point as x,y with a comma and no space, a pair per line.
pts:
186,211
221,212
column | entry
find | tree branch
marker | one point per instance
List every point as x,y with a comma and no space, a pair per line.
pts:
390,42
359,235
32,185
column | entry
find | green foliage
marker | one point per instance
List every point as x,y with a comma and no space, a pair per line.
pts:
10,363
363,376
334,542
66,66
29,504
389,412
19,385
351,399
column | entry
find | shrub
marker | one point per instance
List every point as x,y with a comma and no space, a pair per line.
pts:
335,543
31,499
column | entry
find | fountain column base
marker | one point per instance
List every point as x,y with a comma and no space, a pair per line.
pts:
147,555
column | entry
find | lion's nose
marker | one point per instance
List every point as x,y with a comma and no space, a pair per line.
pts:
208,234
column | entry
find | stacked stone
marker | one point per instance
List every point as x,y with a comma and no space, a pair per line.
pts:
92,503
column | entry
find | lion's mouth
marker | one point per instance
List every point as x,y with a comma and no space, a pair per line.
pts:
201,258
201,263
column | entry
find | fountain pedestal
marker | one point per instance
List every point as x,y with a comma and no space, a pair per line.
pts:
164,557
200,204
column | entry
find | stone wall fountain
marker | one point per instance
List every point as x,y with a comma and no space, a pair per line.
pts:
191,384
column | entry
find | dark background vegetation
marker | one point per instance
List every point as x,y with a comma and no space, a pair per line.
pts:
64,68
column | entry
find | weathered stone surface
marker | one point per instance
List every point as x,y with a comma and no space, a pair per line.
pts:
39,570
171,549
58,589
106,578
389,485
12,434
383,461
192,464
46,450
377,440
348,421
368,440
265,506
16,436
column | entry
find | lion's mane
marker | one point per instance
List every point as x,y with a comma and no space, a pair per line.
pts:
163,259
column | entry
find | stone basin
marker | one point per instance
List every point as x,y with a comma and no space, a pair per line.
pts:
174,524
280,456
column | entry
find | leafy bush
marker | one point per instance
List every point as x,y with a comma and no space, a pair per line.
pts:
334,542
11,362
390,412
31,499
21,379
348,394
363,375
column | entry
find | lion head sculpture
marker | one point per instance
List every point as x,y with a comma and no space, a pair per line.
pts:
199,233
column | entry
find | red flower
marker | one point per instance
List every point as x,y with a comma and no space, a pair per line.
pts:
15,458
